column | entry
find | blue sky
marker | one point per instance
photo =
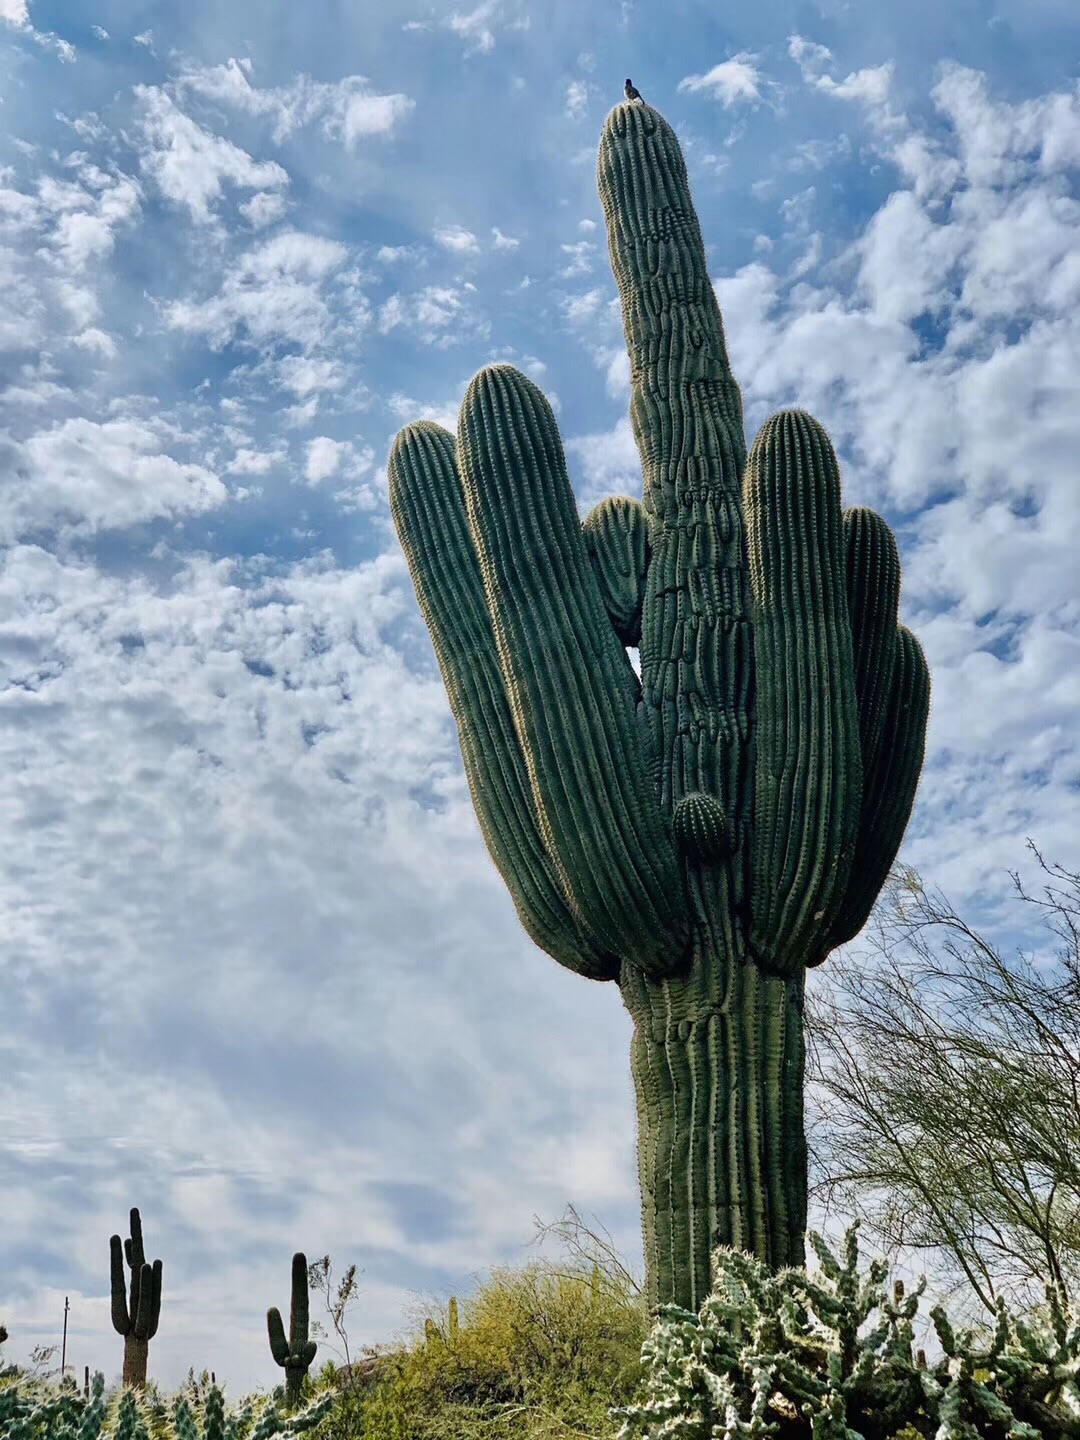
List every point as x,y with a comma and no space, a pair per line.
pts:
259,976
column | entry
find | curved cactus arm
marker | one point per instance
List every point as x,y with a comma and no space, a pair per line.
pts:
141,1320
616,535
873,597
807,762
146,1321
119,1286
155,1299
429,513
572,693
279,1346
892,778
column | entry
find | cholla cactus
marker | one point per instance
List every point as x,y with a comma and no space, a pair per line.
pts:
137,1321
702,835
788,1354
298,1352
31,1412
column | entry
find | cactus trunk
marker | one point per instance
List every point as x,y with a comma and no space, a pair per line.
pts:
136,1355
721,1151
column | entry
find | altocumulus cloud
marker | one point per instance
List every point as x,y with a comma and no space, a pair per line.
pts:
260,978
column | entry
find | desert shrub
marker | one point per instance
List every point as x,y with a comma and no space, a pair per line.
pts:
831,1356
539,1352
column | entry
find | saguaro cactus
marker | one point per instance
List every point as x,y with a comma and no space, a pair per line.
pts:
705,833
137,1319
297,1354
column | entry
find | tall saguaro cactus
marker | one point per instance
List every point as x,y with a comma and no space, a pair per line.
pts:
136,1319
296,1354
703,834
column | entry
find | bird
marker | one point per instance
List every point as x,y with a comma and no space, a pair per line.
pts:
631,93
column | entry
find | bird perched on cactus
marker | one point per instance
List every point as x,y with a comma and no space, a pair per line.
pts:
704,832
630,92
296,1354
135,1318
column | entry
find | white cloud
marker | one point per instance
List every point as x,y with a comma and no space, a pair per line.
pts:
347,109
248,461
189,163
457,239
441,315
870,85
85,234
396,254
273,293
324,458
97,340
15,12
582,253
303,374
731,82
501,241
263,209
581,307
577,99
100,476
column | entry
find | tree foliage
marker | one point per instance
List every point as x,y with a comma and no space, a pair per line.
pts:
946,1075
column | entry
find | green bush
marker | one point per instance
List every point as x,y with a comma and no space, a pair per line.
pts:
540,1352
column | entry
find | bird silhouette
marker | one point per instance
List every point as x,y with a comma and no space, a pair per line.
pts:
631,93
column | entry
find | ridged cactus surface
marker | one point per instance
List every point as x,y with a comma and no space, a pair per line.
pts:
295,1354
135,1317
703,833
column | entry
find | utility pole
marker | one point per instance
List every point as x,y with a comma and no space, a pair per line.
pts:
63,1351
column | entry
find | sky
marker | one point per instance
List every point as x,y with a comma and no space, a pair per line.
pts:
259,976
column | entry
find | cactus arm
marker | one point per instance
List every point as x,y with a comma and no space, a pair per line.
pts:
891,782
429,513
873,596
150,1285
279,1346
808,766
119,1286
567,677
141,1324
617,541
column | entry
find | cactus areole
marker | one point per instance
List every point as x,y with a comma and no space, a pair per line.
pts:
704,834
136,1318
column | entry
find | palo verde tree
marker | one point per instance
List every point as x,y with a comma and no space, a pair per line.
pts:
948,1069
702,835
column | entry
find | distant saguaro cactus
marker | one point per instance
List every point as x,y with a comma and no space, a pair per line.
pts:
705,833
136,1320
297,1354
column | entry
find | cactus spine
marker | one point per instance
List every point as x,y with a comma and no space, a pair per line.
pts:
705,834
135,1318
296,1354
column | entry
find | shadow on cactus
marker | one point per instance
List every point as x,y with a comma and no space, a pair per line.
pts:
703,834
